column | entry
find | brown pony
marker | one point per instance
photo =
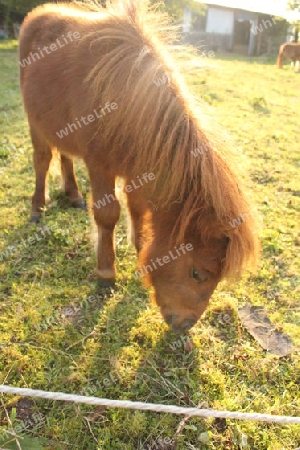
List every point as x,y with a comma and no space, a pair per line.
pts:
76,60
290,51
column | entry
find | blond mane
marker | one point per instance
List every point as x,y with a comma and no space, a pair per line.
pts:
162,125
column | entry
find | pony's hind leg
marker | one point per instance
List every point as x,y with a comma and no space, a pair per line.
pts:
70,183
41,159
106,209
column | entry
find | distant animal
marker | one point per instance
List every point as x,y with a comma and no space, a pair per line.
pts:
180,216
289,51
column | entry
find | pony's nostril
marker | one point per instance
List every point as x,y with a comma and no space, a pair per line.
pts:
171,319
184,326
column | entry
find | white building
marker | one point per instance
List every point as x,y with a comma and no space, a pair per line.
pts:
250,29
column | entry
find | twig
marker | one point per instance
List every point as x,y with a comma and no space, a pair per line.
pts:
90,429
180,427
11,425
166,382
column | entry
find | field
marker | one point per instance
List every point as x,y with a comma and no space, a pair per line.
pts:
55,336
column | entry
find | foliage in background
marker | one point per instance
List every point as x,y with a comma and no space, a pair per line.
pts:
176,8
20,6
295,6
10,8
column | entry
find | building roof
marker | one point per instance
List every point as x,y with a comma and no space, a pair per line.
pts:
271,7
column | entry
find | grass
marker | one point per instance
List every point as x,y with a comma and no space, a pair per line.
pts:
59,334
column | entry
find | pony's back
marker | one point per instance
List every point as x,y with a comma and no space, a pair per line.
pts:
48,22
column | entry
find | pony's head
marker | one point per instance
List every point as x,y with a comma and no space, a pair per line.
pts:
185,270
184,278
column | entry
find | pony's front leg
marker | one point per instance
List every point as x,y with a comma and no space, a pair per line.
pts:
106,209
137,206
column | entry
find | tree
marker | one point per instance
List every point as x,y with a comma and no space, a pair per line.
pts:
294,5
20,6
15,10
175,8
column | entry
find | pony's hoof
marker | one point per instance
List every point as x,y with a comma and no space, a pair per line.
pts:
35,219
106,282
80,204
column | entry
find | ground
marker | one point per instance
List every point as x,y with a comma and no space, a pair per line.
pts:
54,335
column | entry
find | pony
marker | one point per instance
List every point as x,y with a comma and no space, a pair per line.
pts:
101,85
290,51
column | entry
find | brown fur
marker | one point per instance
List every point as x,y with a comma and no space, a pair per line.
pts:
154,129
290,51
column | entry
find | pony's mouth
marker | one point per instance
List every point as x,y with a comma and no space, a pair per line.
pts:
178,323
181,327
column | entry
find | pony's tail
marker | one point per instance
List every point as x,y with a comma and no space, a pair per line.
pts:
280,58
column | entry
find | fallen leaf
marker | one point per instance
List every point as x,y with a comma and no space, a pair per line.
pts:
256,321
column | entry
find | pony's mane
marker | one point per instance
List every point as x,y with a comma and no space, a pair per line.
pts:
161,126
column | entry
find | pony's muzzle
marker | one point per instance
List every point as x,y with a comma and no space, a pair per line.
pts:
179,326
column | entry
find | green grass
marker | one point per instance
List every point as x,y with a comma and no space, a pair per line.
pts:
119,347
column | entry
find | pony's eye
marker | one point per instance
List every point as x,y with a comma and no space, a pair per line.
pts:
195,274
200,276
